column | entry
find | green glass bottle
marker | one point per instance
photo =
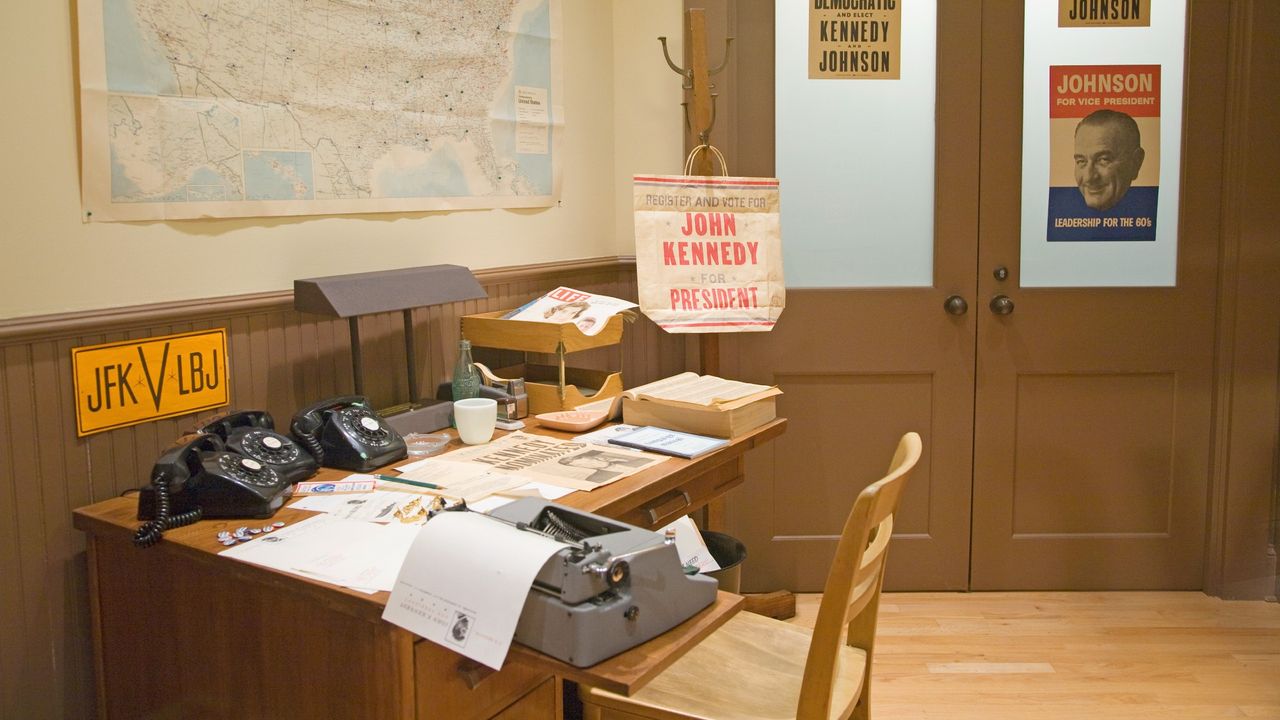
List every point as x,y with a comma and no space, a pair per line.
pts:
466,378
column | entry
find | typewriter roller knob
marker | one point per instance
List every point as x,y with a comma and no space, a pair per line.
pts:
618,572
613,573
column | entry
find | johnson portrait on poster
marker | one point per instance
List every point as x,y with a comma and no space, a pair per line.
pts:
1104,152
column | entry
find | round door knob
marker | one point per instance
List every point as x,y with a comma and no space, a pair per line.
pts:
1001,305
955,305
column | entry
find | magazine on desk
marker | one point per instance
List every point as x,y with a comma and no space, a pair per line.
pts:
669,442
589,311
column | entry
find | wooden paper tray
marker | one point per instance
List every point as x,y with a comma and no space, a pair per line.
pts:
542,383
490,330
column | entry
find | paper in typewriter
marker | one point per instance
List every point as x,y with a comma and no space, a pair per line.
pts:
464,583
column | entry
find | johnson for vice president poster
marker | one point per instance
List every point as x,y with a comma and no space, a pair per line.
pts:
1104,152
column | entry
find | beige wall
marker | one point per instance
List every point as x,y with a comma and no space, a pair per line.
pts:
622,109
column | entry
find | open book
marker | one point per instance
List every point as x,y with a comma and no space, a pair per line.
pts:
702,404
590,312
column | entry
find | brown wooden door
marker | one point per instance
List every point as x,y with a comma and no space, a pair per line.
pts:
1092,420
859,367
1069,440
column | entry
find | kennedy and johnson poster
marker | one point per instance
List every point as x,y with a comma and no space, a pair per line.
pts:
855,39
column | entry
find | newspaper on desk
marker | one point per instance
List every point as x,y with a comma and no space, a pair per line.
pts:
539,458
590,312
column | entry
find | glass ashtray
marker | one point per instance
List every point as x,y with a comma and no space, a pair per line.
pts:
424,444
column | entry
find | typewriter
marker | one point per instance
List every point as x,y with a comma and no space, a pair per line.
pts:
612,587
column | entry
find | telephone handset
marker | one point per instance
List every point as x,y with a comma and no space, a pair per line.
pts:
344,432
198,477
252,433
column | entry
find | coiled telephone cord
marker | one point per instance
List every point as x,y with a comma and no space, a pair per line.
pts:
151,531
312,444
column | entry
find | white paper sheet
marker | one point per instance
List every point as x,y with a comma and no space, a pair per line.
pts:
690,546
491,503
601,436
469,481
351,553
367,561
379,506
464,583
542,490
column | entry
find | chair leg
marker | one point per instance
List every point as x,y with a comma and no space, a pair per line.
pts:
862,711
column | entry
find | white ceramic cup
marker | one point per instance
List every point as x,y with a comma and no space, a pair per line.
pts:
475,418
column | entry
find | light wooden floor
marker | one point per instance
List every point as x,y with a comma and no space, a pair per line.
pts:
1051,656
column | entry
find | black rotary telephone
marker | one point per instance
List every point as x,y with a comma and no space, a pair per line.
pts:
252,433
344,432
198,477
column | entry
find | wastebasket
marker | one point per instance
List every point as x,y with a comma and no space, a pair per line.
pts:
729,552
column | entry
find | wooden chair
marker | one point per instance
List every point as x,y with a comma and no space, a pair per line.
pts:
759,668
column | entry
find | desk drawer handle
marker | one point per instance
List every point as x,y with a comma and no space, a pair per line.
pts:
473,673
654,515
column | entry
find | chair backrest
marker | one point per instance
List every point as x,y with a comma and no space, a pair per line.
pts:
852,593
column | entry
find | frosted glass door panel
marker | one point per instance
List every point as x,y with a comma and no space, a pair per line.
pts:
855,159
1101,150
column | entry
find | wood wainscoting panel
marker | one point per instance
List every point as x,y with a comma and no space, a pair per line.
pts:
279,361
820,508
842,428
1122,484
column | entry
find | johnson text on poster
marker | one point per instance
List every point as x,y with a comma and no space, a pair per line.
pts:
1104,13
1104,152
855,39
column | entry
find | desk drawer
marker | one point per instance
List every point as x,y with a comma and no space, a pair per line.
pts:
683,499
452,687
542,703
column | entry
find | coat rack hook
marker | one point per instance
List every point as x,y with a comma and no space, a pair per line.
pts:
667,56
723,61
705,135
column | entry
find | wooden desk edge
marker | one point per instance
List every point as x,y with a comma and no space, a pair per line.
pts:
631,670
623,673
619,496
113,520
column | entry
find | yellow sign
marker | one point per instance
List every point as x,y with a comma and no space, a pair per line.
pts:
855,39
131,382
1103,13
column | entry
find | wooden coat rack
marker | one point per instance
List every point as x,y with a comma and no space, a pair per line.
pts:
779,604
700,122
698,79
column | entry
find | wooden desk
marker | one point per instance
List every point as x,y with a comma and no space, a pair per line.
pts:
182,633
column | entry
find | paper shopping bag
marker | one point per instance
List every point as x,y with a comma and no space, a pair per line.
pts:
709,252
